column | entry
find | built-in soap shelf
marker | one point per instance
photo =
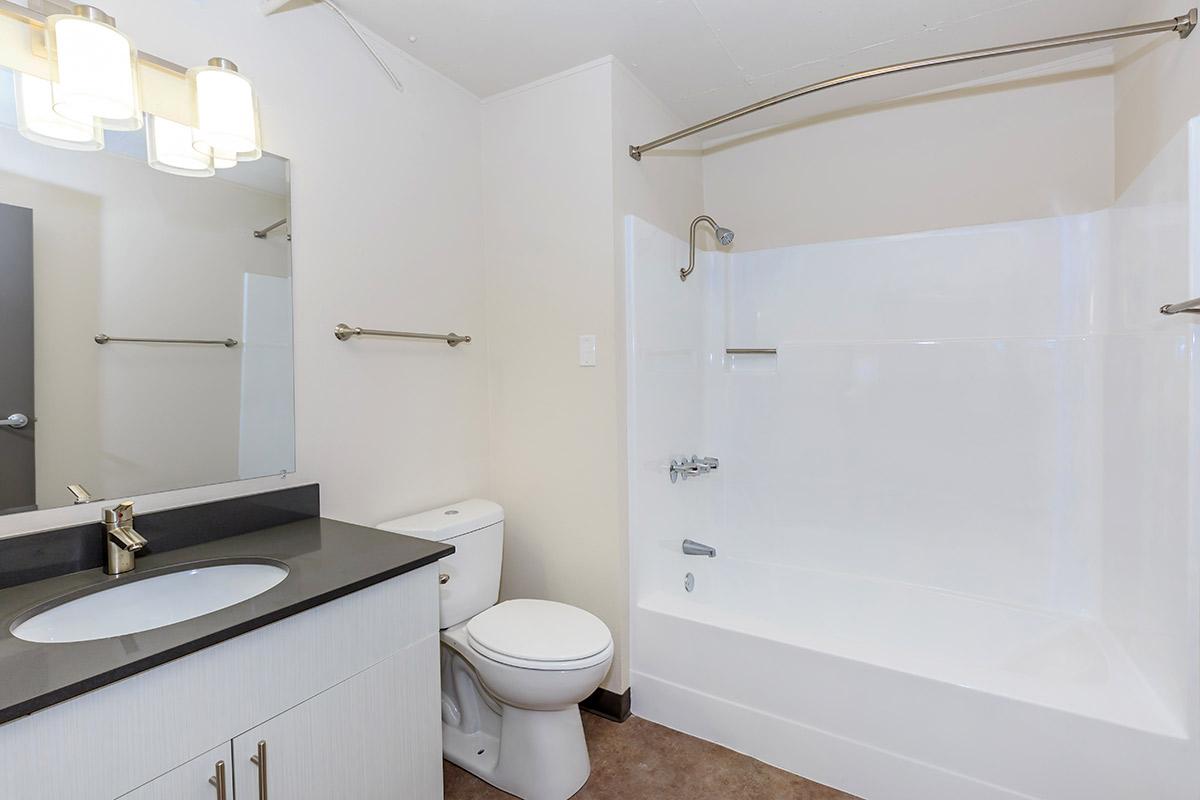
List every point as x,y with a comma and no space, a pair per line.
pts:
751,359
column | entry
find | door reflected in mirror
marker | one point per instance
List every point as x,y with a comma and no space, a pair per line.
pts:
98,251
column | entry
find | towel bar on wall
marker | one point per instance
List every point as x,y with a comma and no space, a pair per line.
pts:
104,338
344,332
1186,307
750,351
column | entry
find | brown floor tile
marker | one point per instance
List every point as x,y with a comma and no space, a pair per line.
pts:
639,760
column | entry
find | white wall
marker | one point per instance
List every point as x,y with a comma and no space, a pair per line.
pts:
979,154
548,189
385,210
1155,96
558,181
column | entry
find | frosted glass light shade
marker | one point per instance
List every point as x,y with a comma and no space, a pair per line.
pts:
221,159
169,149
226,109
95,70
39,122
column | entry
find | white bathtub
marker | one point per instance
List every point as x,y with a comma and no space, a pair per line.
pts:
891,691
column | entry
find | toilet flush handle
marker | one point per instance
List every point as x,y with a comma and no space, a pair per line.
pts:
443,578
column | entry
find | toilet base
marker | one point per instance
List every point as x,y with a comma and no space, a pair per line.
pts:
539,755
535,755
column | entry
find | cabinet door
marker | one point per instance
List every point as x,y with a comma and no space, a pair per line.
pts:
195,780
376,736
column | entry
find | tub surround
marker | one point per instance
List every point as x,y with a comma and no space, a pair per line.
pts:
1046,588
326,560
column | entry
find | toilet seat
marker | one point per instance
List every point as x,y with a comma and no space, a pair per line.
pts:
500,658
540,635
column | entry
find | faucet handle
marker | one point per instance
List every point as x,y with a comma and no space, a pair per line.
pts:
82,495
120,514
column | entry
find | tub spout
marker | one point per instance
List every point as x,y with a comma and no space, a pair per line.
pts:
691,548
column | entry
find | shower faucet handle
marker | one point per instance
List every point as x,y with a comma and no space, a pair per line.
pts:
688,467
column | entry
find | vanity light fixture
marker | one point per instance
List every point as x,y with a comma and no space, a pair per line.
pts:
88,77
94,69
39,122
169,149
226,113
224,160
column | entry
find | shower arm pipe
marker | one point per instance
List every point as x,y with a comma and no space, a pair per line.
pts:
1186,307
691,267
263,233
1183,25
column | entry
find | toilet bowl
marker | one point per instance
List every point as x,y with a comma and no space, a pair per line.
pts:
512,673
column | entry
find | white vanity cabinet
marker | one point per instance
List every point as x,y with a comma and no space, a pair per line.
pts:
195,780
345,696
355,740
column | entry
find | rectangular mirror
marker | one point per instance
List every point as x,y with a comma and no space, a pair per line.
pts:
97,248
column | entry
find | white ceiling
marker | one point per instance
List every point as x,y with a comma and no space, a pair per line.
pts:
706,57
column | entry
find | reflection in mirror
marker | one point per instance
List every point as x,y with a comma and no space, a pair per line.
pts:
96,244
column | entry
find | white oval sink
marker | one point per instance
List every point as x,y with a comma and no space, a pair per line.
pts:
140,605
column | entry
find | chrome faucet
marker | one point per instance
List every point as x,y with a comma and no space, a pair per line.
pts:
81,494
690,467
121,541
691,548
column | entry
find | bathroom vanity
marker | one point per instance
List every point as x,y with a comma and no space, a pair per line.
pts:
323,686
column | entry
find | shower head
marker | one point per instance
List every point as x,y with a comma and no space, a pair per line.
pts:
724,236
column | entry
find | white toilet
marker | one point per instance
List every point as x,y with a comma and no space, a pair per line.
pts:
513,673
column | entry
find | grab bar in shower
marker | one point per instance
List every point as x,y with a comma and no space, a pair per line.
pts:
104,338
750,351
1186,307
344,332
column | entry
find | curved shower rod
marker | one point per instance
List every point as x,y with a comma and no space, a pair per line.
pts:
1182,25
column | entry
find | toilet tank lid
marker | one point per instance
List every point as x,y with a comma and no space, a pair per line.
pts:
440,524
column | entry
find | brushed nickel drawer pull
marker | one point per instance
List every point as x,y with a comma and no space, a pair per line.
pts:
218,780
260,761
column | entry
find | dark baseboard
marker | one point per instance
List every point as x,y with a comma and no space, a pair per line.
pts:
609,705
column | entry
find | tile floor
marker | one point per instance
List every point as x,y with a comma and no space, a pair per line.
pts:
639,760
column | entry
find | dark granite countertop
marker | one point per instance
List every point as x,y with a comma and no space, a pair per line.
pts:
326,559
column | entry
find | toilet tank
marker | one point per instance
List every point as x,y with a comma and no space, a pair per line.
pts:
472,572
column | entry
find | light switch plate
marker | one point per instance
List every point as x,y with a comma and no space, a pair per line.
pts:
587,350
